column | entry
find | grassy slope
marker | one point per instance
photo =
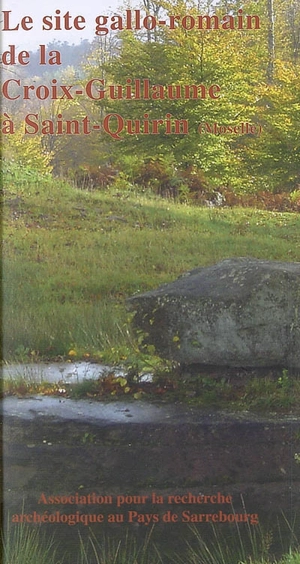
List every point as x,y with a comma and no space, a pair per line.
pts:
72,257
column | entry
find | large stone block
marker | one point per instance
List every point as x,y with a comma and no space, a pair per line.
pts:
239,312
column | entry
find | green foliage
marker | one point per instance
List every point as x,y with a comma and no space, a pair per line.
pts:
276,154
88,438
238,63
235,60
151,378
293,558
109,551
22,386
160,175
229,549
272,393
161,62
25,545
25,152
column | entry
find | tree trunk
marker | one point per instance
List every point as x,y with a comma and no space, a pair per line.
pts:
271,42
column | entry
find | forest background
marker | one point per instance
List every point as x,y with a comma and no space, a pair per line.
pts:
257,71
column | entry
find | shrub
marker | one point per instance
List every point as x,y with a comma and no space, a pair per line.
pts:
90,178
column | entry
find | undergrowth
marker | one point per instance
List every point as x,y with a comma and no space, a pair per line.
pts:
25,545
276,392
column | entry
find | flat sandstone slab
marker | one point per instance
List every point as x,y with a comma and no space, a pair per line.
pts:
241,312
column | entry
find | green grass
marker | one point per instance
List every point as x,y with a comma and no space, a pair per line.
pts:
253,545
108,551
70,258
293,558
26,545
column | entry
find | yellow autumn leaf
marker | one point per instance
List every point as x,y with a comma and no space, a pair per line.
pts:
122,381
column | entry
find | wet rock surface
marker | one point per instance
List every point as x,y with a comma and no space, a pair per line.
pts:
61,446
241,312
64,372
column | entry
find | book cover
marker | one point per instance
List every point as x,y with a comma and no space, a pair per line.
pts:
151,282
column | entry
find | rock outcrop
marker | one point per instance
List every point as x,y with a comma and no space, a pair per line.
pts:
241,312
